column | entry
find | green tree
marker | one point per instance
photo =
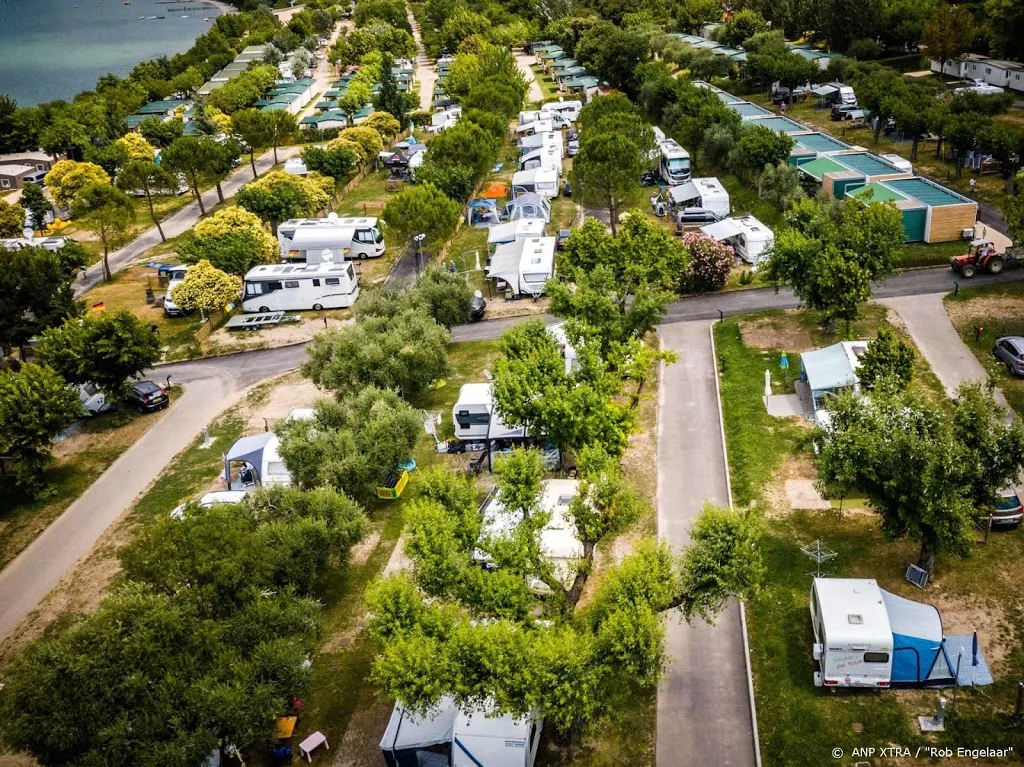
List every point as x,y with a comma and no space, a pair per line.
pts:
462,23
949,33
1006,28
33,199
36,405
232,240
196,158
207,289
35,293
422,209
253,128
104,349
389,99
351,444
692,15
280,196
336,163
456,181
447,297
67,178
162,133
108,213
281,128
465,145
151,179
780,185
741,26
12,219
606,173
888,358
406,352
758,147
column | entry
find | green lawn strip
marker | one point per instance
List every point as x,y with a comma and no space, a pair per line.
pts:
967,318
547,85
108,435
800,724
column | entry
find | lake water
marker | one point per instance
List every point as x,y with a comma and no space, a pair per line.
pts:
53,49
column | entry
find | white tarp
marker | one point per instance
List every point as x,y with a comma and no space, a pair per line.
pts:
722,230
407,730
505,264
684,192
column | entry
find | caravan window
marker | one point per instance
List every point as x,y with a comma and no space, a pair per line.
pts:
291,283
876,657
464,418
332,281
535,277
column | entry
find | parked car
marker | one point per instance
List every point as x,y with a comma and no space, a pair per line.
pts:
1009,510
650,178
844,111
1010,350
567,189
688,217
212,499
573,146
561,237
148,396
477,307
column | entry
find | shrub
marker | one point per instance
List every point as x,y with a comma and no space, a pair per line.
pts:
709,263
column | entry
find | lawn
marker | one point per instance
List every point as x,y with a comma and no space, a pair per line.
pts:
547,85
999,311
799,724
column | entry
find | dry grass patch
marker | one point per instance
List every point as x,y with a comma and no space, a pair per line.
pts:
777,332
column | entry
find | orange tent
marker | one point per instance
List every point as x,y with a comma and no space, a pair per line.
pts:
495,190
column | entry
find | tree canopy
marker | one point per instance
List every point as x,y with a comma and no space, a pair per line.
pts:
206,288
232,240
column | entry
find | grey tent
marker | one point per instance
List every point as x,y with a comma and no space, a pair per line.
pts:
412,741
249,450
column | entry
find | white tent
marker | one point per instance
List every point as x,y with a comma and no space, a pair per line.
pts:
260,452
412,741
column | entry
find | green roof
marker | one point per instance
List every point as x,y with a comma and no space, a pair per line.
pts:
817,168
162,107
778,124
927,192
746,109
867,164
876,193
820,142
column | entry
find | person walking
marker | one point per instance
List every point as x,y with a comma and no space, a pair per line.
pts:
971,185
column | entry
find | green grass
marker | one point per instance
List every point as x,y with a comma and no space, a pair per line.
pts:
917,254
547,85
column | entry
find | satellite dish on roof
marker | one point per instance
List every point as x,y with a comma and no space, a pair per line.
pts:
332,216
326,255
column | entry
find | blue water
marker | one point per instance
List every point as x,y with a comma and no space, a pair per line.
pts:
53,49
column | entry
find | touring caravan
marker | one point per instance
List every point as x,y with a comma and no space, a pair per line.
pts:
315,240
302,287
448,737
568,109
675,162
749,238
175,276
542,141
543,125
541,181
548,158
524,266
866,637
471,414
502,234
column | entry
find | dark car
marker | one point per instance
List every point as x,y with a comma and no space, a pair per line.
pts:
563,235
695,217
1009,510
477,307
148,396
1010,351
572,135
843,111
567,189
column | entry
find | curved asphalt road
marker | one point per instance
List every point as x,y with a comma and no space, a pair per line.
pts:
215,384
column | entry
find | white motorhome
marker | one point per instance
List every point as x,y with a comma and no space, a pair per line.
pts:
559,542
52,244
510,231
175,276
303,287
523,267
749,238
471,414
542,181
549,158
568,109
448,737
315,240
675,162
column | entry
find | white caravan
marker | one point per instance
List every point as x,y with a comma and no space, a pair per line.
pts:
315,240
542,181
548,158
295,166
706,193
440,121
567,109
537,126
675,162
510,231
523,267
448,737
288,288
471,414
549,140
559,543
749,238
852,637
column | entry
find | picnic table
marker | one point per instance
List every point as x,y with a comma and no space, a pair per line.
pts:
311,743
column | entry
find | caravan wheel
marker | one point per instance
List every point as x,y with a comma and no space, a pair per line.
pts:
318,307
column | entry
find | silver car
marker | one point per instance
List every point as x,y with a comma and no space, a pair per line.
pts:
1010,350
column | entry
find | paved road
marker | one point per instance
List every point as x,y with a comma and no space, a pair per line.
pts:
180,222
213,386
703,706
425,74
523,61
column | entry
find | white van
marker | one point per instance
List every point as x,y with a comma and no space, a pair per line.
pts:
538,181
315,240
286,288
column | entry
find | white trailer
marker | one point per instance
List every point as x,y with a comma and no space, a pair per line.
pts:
706,193
749,238
510,231
471,414
286,287
540,181
537,126
675,162
315,240
542,141
852,637
523,267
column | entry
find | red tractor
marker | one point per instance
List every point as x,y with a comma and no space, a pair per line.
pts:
982,256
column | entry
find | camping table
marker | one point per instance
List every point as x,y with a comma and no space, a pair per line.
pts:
311,743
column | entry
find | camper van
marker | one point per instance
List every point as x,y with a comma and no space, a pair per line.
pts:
523,267
866,637
303,287
510,231
175,276
548,158
542,181
567,109
675,162
315,240
448,737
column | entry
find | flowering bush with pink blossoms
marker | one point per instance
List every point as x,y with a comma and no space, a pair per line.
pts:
709,263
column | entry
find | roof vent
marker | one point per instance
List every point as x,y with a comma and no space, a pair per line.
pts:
855,619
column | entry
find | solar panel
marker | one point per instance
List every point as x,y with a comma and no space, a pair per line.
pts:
917,575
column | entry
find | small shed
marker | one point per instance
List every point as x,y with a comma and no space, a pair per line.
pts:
831,370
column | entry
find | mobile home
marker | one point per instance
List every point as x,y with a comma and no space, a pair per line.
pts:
866,637
301,287
315,240
523,267
542,181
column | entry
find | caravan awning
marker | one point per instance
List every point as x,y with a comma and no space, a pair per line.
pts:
722,230
824,90
684,192
250,449
828,368
919,655
505,264
406,730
